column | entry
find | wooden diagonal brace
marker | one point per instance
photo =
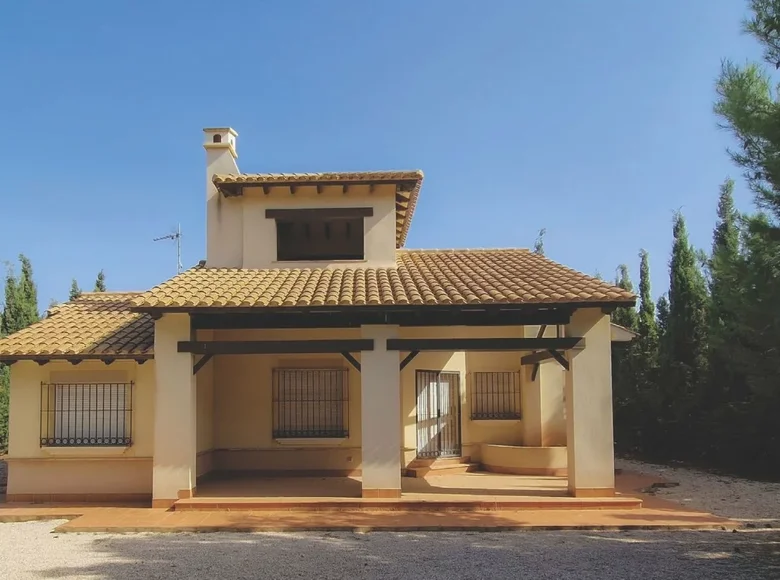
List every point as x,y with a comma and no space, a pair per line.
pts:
201,363
351,360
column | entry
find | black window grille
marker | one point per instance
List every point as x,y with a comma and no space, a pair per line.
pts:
86,414
310,403
495,395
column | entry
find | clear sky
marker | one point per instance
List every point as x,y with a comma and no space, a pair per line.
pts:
590,119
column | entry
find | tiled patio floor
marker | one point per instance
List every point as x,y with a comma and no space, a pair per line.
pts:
655,513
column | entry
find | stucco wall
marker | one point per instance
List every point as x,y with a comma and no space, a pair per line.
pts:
243,411
85,470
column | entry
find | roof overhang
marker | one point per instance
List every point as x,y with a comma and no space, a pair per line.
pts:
621,333
407,188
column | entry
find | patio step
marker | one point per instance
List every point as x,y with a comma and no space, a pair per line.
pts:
260,504
448,466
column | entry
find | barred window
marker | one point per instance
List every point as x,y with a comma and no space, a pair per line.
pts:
86,414
310,403
495,395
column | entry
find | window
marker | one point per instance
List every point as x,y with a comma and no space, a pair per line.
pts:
310,403
335,239
86,414
320,233
495,395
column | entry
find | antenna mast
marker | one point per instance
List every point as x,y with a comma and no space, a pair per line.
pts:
177,237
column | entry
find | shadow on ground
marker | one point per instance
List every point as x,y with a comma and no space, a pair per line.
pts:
559,555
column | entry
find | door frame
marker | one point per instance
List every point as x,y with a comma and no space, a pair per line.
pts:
454,408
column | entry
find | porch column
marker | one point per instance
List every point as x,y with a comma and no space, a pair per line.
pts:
175,413
380,418
588,392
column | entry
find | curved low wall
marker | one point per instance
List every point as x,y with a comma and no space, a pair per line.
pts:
524,460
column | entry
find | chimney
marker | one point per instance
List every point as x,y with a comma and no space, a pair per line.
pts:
220,138
224,225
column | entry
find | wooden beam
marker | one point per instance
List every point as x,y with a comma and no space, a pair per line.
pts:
481,344
320,188
266,189
201,363
534,372
542,330
319,213
74,361
536,358
560,358
351,360
274,346
408,358
293,189
344,189
41,361
140,361
346,317
107,361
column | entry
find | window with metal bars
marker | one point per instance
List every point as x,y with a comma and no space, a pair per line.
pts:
86,414
495,395
310,403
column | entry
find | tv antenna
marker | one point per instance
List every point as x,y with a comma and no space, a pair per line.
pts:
177,237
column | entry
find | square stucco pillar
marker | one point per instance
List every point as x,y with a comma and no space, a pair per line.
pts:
380,397
175,413
588,392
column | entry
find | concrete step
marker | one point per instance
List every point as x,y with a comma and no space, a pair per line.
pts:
438,469
433,504
422,462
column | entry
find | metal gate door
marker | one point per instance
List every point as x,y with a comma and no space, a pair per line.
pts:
438,414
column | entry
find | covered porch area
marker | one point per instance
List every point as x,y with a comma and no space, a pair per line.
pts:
204,436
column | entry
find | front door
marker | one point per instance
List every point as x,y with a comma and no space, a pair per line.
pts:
438,414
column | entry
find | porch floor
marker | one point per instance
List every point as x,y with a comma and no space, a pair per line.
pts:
480,490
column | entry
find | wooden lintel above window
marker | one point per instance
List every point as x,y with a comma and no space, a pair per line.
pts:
274,346
319,213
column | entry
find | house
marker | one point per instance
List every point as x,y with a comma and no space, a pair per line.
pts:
310,341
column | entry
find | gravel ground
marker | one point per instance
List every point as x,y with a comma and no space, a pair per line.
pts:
756,503
28,550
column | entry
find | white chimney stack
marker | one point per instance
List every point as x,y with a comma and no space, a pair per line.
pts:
220,138
224,220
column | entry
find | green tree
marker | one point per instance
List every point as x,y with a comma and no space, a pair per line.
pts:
75,291
539,242
749,106
100,282
683,377
625,316
646,323
20,311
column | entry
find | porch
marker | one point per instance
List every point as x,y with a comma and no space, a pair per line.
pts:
368,401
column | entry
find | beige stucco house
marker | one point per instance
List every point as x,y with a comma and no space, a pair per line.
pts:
311,342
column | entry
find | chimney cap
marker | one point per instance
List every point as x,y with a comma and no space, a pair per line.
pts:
220,130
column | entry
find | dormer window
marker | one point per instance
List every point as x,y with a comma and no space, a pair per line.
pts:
319,234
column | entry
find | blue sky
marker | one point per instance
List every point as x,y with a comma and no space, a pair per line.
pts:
590,119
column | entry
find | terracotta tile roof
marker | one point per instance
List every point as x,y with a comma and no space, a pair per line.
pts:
408,184
421,277
95,325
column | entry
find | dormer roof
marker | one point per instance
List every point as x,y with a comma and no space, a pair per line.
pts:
407,188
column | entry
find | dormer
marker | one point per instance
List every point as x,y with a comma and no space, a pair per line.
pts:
307,220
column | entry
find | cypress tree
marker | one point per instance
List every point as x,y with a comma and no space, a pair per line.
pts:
625,316
686,340
75,291
100,282
539,243
646,323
